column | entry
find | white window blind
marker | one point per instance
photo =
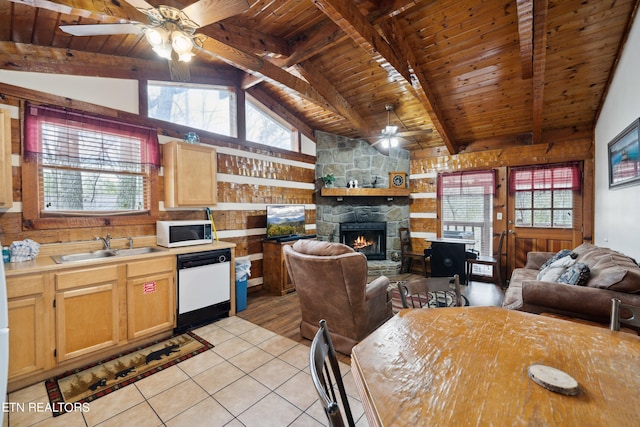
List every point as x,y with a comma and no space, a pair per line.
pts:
89,165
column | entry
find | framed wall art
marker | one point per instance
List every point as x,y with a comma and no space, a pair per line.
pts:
624,157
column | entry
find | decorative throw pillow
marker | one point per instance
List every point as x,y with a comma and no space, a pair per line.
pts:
554,270
577,274
560,254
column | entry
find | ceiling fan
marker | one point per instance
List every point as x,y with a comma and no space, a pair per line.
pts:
171,31
390,136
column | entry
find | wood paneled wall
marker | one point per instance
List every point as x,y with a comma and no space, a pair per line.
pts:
250,176
426,164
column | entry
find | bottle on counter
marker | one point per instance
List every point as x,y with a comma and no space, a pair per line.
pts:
6,254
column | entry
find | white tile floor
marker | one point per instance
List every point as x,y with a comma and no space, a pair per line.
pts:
252,377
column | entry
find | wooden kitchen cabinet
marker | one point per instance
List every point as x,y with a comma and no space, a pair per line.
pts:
6,179
87,311
189,175
28,333
150,296
275,275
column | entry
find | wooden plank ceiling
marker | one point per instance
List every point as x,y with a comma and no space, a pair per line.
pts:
477,74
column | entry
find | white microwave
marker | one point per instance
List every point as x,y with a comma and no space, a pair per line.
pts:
172,234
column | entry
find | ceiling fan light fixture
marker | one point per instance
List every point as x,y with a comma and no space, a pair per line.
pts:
163,50
390,130
156,36
183,45
393,141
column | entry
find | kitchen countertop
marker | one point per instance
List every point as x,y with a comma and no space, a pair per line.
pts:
45,264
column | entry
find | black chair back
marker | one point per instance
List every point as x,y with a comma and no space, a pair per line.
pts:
325,372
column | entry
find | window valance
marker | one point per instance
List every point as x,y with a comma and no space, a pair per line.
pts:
56,133
566,176
473,182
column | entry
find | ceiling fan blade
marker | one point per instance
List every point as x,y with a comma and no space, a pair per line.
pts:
101,29
205,12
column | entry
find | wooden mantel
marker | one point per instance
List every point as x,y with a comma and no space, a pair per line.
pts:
365,192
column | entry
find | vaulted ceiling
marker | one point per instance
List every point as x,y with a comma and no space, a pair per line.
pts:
478,74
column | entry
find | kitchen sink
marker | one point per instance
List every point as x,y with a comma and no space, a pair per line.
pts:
105,253
138,251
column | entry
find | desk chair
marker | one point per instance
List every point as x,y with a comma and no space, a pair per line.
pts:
630,314
494,261
325,373
407,255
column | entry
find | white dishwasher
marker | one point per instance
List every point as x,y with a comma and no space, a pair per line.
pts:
204,288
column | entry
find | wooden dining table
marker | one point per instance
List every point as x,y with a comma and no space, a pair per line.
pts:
469,366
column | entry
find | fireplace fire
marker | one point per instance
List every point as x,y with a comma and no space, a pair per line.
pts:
361,242
370,238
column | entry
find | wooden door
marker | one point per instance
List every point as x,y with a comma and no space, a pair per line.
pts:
524,239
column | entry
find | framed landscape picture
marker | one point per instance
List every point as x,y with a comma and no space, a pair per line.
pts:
624,157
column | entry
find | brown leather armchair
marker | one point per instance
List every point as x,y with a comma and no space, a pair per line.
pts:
331,282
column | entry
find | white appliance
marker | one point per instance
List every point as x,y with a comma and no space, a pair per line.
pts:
204,287
173,234
4,341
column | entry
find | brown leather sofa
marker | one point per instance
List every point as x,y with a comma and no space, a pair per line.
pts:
611,275
331,282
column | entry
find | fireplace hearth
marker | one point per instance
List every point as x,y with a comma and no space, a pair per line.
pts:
370,238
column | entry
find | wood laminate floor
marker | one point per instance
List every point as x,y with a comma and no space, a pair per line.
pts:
281,314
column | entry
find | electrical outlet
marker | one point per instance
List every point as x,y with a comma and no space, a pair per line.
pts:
499,216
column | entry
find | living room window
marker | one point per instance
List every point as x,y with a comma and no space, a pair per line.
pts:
207,107
266,128
466,200
87,166
544,195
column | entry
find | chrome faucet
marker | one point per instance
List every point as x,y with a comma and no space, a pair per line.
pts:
106,241
130,239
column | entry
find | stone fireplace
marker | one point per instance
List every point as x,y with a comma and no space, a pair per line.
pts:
348,160
370,238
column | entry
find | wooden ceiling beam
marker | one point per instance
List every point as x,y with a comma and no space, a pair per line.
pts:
250,63
540,9
420,83
306,45
346,16
579,136
247,39
38,59
525,32
326,89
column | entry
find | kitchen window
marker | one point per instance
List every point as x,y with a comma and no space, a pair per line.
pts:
81,165
544,195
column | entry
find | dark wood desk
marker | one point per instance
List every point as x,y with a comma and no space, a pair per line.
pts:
468,366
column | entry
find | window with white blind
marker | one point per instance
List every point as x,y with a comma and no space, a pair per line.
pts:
544,195
466,200
88,165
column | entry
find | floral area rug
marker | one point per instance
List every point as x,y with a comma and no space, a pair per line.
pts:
91,382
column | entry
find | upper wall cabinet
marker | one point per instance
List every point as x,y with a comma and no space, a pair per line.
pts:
6,180
189,175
